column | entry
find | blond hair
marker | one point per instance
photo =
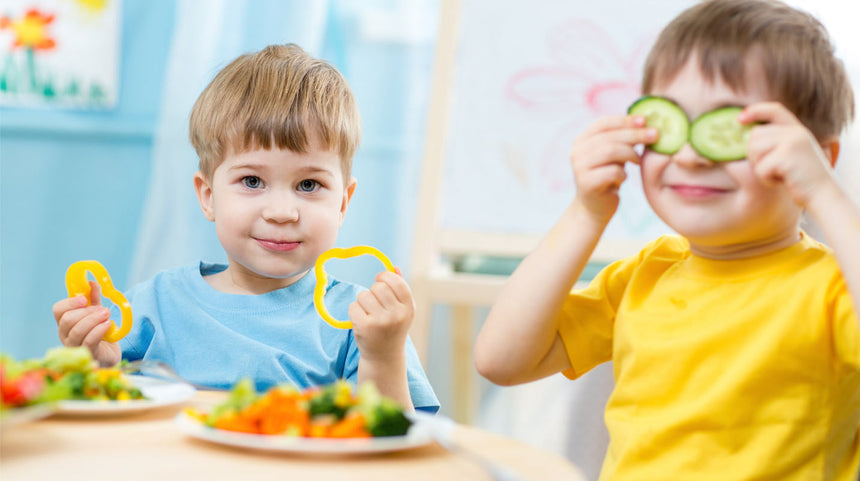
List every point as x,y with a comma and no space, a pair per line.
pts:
793,48
281,97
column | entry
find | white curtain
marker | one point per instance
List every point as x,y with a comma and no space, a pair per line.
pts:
206,36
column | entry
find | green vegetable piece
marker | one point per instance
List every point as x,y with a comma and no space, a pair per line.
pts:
113,387
384,416
668,118
243,394
334,399
719,136
71,386
387,419
68,359
11,367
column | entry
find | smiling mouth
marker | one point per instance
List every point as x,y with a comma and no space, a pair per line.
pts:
696,191
280,246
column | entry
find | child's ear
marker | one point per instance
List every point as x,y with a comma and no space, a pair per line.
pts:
204,195
831,149
347,196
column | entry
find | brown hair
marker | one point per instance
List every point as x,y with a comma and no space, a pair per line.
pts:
279,96
794,50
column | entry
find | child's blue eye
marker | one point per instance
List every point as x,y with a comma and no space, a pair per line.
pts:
308,185
252,182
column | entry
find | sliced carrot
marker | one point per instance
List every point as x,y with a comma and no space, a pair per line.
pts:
354,425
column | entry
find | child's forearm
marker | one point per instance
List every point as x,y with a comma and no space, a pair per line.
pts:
839,219
389,376
519,340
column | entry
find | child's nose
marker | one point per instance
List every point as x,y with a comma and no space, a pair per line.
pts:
281,209
688,157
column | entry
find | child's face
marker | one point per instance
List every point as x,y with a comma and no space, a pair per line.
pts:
715,204
275,212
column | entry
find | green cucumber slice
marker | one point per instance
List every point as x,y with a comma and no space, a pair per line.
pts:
717,135
668,118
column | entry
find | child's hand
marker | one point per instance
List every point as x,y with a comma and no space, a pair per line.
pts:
598,159
381,317
82,325
784,152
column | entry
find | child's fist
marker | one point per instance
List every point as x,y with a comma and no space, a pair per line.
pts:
382,315
79,324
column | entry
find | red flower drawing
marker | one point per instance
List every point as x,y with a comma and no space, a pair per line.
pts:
31,30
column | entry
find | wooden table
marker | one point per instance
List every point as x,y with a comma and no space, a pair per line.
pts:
148,446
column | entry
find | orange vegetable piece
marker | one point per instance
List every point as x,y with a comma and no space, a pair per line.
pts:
237,422
351,426
320,426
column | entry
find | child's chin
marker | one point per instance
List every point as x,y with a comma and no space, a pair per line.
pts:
285,273
702,234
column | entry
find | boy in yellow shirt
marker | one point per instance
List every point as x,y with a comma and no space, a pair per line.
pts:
735,345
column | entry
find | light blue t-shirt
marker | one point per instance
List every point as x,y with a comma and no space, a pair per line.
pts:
213,338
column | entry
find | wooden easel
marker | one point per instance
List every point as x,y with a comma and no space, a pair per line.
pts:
434,280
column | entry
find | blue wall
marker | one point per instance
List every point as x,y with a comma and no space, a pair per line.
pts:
72,185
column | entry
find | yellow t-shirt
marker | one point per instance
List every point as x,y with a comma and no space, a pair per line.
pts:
745,369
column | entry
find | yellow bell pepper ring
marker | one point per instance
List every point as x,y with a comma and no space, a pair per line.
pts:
340,253
77,284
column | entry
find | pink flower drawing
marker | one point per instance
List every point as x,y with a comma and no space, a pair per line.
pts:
589,76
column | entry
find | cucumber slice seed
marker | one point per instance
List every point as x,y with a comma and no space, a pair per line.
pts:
668,118
717,135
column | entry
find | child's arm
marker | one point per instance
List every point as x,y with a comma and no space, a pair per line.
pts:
519,341
82,325
381,317
783,151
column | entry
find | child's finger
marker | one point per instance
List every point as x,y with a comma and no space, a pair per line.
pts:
95,335
368,301
70,318
767,112
627,137
646,135
356,313
616,153
384,294
761,141
609,176
614,122
64,305
397,283
79,330
95,293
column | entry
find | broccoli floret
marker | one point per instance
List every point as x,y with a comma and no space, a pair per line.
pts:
334,400
387,419
384,416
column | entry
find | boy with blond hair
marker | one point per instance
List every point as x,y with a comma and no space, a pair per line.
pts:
735,344
275,132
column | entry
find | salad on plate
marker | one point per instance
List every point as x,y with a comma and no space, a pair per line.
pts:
332,411
331,419
63,374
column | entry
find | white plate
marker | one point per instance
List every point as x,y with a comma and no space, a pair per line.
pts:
159,393
418,435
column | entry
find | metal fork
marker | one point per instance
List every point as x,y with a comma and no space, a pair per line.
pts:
498,471
441,429
159,370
